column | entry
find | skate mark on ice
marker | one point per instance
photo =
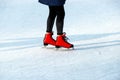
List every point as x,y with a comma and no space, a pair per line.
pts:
97,45
20,43
91,36
23,43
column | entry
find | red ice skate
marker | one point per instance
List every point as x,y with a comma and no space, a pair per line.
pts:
62,42
48,39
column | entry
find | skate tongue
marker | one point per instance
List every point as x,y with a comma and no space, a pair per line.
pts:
64,35
66,38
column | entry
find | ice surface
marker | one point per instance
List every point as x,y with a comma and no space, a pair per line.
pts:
93,27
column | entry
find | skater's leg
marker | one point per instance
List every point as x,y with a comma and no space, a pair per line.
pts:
60,19
61,38
48,39
51,18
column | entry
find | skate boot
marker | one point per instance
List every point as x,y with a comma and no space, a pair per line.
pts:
62,42
48,40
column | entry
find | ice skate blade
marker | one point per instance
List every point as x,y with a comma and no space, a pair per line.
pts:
58,47
45,44
72,48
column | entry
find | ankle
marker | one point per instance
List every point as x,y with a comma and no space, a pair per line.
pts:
59,33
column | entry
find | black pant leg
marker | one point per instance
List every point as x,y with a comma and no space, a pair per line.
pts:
51,18
60,19
60,13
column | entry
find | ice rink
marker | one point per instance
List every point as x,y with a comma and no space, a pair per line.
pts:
93,27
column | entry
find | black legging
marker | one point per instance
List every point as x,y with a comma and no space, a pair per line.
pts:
56,11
